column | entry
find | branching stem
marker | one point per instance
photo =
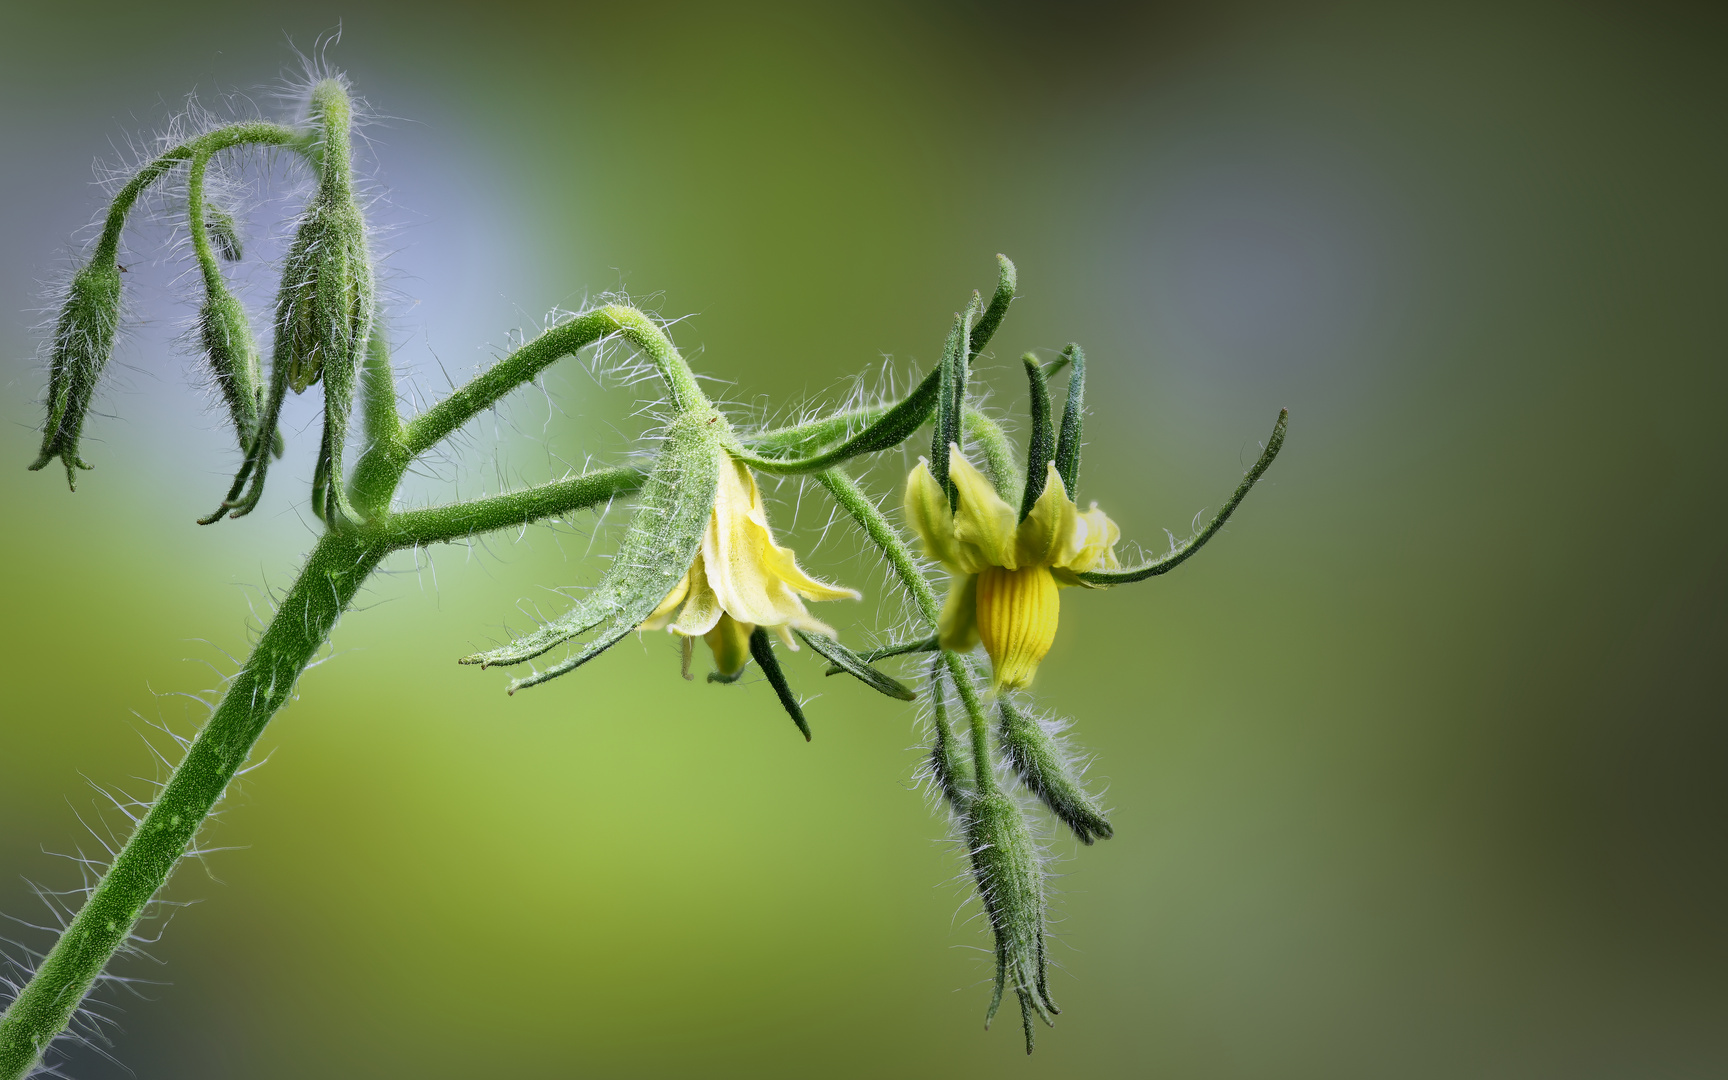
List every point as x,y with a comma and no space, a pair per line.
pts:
339,564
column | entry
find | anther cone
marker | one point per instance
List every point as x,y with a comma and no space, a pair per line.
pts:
1017,611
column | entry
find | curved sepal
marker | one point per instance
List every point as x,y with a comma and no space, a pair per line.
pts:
660,544
886,432
762,651
985,328
1182,551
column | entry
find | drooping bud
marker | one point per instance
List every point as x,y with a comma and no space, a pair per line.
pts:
325,307
226,335
1033,748
83,342
1010,878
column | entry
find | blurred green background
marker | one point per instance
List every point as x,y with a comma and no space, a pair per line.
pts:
1417,770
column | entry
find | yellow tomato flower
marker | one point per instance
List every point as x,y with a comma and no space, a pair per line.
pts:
1006,573
741,579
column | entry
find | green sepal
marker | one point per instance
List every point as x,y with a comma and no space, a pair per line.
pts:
997,451
1073,418
1040,445
852,664
885,433
1010,879
725,679
83,344
658,547
985,328
762,651
921,645
951,399
1180,553
1045,770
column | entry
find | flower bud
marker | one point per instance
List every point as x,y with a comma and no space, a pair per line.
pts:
1010,878
233,357
1033,747
83,342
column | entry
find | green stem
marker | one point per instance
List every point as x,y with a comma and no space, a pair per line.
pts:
108,245
381,466
853,500
332,575
442,524
961,673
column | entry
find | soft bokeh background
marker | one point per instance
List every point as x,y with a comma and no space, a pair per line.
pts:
1417,770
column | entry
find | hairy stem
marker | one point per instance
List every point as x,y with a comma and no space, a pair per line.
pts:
442,524
878,528
258,133
332,575
961,672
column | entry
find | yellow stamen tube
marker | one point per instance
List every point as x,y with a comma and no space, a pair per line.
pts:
1017,612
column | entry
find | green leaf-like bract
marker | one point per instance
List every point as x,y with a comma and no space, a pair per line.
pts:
852,664
658,548
1041,444
1073,420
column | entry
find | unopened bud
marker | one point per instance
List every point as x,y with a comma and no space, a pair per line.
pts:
1010,878
233,357
83,342
1033,747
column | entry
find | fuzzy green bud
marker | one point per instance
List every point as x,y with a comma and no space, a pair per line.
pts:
1010,878
325,307
83,342
1034,749
233,357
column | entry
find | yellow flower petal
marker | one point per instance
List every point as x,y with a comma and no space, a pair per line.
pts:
1051,533
1017,614
757,580
983,519
701,606
660,616
1097,543
928,513
957,627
